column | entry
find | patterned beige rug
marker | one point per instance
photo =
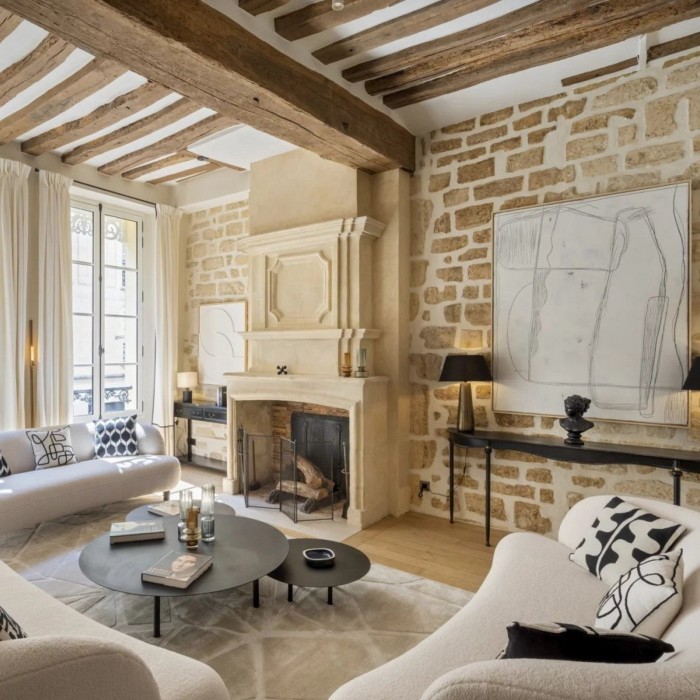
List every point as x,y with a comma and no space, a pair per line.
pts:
299,651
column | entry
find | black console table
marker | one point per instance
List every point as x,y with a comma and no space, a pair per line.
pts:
677,461
208,412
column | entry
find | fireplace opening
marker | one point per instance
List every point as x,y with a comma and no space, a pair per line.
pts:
305,464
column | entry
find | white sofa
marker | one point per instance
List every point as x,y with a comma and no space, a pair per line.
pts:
532,580
67,656
29,496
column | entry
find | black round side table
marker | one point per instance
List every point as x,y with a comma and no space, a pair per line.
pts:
350,564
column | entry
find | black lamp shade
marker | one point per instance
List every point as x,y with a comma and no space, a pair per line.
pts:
692,381
467,368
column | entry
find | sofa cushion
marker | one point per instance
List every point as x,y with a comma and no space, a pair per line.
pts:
4,469
52,448
9,627
646,598
621,536
116,437
567,642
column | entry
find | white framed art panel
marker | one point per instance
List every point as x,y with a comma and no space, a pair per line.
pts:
222,348
591,297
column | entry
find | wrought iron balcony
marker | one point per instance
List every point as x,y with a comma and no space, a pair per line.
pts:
118,397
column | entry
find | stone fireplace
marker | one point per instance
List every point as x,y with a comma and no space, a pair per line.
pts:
310,302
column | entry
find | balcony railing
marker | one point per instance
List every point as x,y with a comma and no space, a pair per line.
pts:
118,398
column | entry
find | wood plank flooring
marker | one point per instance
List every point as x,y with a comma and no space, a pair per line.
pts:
419,544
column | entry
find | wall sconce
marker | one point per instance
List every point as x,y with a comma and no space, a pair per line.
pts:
186,381
465,369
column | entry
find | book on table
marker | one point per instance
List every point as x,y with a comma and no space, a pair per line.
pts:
165,508
136,531
177,569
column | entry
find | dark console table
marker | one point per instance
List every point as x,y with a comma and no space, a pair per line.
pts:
208,412
676,461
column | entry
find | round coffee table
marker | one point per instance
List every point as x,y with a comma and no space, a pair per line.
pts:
142,512
350,565
244,551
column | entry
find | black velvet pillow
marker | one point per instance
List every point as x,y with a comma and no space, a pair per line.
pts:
556,640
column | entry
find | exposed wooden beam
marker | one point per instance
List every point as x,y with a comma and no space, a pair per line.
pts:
200,53
126,134
257,7
90,78
50,53
8,23
174,143
600,72
320,16
497,29
517,57
218,162
399,28
101,118
674,46
185,174
154,166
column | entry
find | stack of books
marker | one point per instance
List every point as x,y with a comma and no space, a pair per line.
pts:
136,531
165,508
177,569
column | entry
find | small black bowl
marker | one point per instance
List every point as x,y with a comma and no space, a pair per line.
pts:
319,558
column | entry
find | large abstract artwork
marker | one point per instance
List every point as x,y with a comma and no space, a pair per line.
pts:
591,298
221,346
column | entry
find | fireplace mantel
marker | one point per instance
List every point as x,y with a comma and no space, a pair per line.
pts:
366,402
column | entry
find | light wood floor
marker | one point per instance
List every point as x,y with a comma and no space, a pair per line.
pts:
419,544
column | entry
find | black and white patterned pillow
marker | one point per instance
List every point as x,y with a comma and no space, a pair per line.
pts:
646,598
566,642
52,448
4,469
621,536
9,627
116,437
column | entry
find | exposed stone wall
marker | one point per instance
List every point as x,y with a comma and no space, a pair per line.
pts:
629,131
215,272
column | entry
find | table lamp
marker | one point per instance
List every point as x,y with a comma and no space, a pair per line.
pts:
465,369
692,381
186,381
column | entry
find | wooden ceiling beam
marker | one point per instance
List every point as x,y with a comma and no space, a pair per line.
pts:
8,23
600,72
472,38
196,51
50,53
218,162
120,108
75,88
675,46
185,174
257,7
159,164
126,134
321,16
652,17
399,28
179,141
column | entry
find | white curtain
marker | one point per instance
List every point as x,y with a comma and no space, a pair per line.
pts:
54,380
166,304
14,232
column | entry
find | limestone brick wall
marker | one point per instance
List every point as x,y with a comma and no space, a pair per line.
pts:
215,272
625,132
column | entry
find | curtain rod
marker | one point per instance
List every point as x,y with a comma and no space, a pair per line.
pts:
103,189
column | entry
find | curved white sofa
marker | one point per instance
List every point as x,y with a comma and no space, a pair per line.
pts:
532,580
29,496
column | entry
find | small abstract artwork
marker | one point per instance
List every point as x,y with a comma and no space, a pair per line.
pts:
222,348
591,298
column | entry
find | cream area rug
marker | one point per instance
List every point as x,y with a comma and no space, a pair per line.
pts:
287,651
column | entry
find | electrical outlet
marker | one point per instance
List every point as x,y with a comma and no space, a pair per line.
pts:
424,486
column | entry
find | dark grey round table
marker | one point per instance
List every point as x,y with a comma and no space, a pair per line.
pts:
350,565
142,512
244,551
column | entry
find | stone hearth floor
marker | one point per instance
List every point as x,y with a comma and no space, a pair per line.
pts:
299,651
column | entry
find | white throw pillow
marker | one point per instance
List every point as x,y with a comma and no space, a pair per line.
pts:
52,448
621,536
647,598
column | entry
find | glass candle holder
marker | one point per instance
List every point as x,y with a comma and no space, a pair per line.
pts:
207,513
185,505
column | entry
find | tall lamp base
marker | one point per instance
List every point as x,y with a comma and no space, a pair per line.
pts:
187,396
465,409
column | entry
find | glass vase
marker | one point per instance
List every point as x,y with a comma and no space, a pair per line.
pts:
207,513
185,505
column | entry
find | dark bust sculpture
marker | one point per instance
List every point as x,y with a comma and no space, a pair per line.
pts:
574,423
